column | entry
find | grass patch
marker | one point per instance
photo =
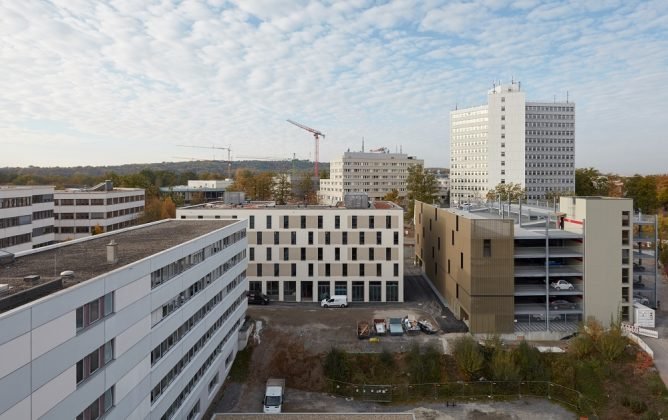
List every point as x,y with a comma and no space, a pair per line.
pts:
241,366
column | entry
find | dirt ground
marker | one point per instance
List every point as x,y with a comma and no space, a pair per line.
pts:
292,340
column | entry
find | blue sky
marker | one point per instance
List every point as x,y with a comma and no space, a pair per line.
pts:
125,81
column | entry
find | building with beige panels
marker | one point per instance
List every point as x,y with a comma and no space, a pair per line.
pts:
496,267
305,253
373,173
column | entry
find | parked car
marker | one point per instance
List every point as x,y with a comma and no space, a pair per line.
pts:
638,267
563,304
426,326
257,298
541,317
640,299
562,285
336,301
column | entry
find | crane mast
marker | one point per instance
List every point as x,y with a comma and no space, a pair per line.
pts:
316,135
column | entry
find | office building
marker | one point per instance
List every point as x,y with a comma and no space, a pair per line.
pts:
304,253
373,173
197,191
26,217
79,212
496,267
511,140
134,324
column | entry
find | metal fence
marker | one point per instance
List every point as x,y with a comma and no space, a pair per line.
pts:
464,390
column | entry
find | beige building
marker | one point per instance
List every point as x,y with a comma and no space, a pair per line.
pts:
304,253
506,271
373,173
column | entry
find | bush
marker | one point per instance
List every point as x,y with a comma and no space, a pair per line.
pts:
582,346
468,356
386,359
336,365
611,344
424,368
638,407
503,366
530,363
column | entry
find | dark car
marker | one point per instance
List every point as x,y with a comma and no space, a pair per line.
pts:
257,299
563,304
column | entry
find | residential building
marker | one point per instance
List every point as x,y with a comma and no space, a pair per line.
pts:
140,323
305,253
511,140
197,191
374,173
495,266
79,211
26,217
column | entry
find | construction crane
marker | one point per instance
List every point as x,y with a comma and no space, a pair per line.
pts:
214,148
316,134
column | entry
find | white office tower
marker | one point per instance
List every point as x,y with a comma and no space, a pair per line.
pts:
375,173
510,140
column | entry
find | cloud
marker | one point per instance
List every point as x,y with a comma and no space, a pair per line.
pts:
122,81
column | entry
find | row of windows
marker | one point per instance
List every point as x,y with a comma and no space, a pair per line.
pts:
174,269
550,173
95,360
342,237
549,133
550,165
549,124
8,222
99,407
15,240
194,350
337,253
44,214
96,201
200,372
194,289
8,203
302,222
550,108
98,215
548,149
94,311
344,270
44,230
550,141
161,350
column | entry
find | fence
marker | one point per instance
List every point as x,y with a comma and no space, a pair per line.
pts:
463,390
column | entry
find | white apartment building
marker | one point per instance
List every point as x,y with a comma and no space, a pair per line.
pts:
304,253
79,211
26,217
140,323
374,173
510,140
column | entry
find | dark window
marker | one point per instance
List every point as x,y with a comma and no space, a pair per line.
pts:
310,238
396,238
452,234
302,220
328,270
344,238
258,236
310,270
461,260
251,252
354,254
371,222
276,238
388,254
268,222
251,222
487,248
439,243
268,254
361,269
379,270
286,222
354,222
319,222
457,223
432,252
388,222
358,291
392,291
327,238
371,254
303,254
277,270
344,269
319,254
448,266
293,238
286,254
361,238
337,254
375,290
293,270
259,270
379,238
396,270
457,291
337,222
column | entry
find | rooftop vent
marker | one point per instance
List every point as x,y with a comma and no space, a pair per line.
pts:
32,279
112,252
6,257
68,274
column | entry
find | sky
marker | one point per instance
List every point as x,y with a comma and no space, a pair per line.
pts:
86,82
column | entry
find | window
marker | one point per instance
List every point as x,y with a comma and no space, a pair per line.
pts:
375,291
388,254
268,254
95,310
379,238
302,253
361,238
327,238
371,222
94,361
328,270
258,236
319,254
213,382
371,254
293,238
251,254
276,238
99,407
388,222
452,234
344,238
344,270
392,291
379,270
286,222
461,260
302,221
310,270
251,222
456,223
396,238
341,288
362,270
337,222
353,254
293,270
286,254
487,248
396,270
358,291
277,270
310,238
337,254
448,266
354,222
319,222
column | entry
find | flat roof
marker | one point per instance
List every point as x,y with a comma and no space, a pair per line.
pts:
269,205
315,416
87,257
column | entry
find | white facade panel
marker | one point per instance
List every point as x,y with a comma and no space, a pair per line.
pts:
132,292
132,379
53,333
19,348
142,411
131,336
46,397
18,411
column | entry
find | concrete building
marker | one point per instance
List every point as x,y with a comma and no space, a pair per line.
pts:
510,140
495,266
80,210
197,190
304,253
374,173
26,217
139,324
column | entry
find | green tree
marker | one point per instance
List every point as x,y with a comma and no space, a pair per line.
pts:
393,196
305,188
468,356
642,189
590,182
529,362
282,188
510,191
421,186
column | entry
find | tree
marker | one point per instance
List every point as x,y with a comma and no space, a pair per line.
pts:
529,362
503,366
282,188
305,188
642,189
393,196
550,195
97,229
468,356
510,191
590,182
421,186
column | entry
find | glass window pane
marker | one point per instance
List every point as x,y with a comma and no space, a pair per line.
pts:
108,303
94,311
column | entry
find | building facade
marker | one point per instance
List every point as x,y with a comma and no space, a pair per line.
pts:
78,212
375,174
26,217
139,324
510,140
496,267
305,253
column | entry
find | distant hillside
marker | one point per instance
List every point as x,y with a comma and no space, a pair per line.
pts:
197,167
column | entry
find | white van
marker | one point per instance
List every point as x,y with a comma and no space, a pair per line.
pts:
336,301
